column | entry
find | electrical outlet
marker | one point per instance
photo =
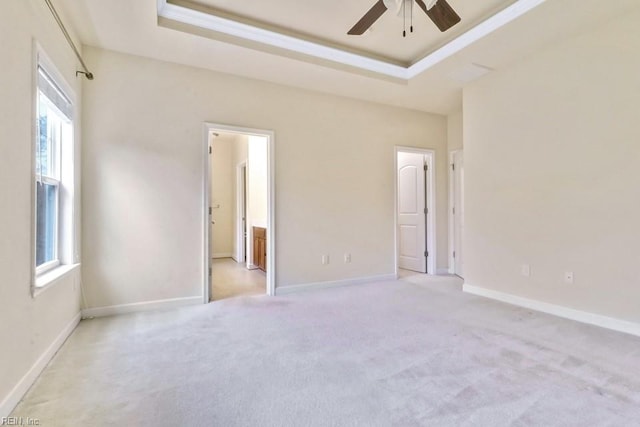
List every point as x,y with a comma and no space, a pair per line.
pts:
526,270
347,258
325,259
568,277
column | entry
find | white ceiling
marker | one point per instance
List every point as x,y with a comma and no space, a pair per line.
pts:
132,27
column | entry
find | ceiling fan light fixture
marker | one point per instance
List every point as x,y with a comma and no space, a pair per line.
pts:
394,6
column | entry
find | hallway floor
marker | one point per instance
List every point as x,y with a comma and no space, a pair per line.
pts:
231,279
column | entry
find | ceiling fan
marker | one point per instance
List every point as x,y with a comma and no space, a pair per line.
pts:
439,11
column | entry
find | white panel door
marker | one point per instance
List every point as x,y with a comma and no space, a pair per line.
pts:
411,212
458,213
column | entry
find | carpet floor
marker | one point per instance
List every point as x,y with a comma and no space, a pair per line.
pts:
412,352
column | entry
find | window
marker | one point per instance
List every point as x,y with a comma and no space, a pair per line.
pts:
53,171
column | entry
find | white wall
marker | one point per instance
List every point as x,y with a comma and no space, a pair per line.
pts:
222,196
552,159
334,176
28,326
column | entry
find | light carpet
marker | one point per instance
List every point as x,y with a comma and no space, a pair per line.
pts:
411,352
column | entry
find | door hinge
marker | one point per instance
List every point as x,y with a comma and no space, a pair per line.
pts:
426,211
453,166
454,254
209,271
426,254
209,149
426,167
454,210
210,210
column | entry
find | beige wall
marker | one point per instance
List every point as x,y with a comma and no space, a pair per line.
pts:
222,196
257,205
257,181
551,162
239,155
28,326
334,176
454,131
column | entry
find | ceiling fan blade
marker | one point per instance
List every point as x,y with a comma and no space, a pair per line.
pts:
442,14
368,19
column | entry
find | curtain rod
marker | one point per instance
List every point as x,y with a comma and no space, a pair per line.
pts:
88,74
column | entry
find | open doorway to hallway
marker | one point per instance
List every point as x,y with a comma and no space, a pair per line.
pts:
239,212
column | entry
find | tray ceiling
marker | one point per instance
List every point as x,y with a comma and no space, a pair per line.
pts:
328,21
275,38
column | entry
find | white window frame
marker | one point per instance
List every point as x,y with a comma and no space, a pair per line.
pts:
53,181
63,178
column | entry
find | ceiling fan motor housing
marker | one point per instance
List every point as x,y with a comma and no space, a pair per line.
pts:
395,6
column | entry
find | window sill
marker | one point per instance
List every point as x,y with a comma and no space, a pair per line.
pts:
46,280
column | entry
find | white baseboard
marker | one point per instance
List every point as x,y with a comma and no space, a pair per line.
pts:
442,271
557,310
219,255
25,383
140,306
284,290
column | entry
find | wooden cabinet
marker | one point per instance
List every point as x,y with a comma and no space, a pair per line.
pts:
260,248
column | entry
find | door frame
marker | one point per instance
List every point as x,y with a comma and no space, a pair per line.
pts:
452,226
430,200
241,204
452,202
208,128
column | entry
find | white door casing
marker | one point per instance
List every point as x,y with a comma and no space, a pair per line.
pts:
240,232
457,212
208,128
411,215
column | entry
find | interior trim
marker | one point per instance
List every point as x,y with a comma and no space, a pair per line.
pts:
612,323
335,55
17,393
165,304
292,289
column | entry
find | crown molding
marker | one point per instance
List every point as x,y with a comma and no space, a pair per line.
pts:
340,57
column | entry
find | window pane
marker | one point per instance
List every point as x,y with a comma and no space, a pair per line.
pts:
46,222
42,154
50,121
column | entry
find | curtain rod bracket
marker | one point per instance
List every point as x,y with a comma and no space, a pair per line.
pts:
89,76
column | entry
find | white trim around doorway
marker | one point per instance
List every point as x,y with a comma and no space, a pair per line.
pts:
206,202
431,205
452,226
240,255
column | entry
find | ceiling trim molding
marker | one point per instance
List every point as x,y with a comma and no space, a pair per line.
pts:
252,33
481,30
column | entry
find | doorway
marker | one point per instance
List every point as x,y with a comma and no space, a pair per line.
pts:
415,209
456,213
238,209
